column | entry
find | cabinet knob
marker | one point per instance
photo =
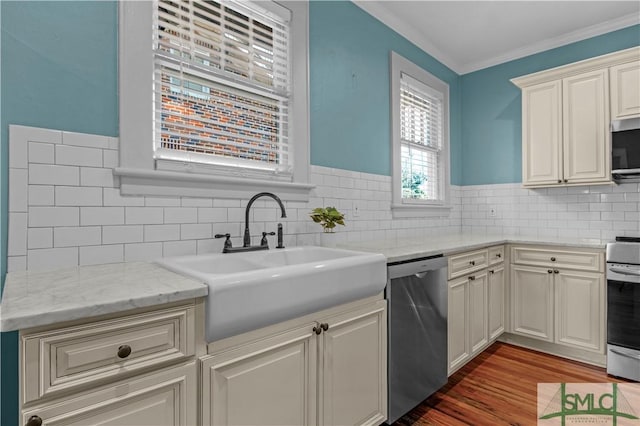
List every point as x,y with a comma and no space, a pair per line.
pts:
324,326
549,271
317,330
473,262
555,271
471,278
34,421
559,180
492,271
498,255
124,351
553,259
566,180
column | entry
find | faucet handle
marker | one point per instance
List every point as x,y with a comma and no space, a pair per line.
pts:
263,241
227,242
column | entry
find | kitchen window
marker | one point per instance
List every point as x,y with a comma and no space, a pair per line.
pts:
420,140
207,105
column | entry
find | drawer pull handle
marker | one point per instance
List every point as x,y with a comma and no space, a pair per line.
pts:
34,421
317,330
492,271
553,259
124,351
473,262
324,326
471,278
498,255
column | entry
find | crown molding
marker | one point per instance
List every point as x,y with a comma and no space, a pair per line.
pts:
414,35
409,32
552,43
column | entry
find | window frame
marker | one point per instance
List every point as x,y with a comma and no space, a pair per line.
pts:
139,173
412,207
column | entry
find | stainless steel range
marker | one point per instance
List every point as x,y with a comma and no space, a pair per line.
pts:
623,308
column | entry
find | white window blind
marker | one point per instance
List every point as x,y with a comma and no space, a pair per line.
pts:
421,140
222,84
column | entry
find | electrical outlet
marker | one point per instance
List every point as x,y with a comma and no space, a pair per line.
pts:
493,212
356,209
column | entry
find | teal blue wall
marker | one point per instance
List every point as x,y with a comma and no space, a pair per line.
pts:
491,110
59,71
349,63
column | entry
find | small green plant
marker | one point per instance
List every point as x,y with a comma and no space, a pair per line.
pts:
327,217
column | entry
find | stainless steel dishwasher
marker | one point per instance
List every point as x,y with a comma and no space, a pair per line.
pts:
417,300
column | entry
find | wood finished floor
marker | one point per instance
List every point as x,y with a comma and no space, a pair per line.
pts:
499,387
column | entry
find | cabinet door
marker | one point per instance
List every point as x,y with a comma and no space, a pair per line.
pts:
161,398
268,382
586,136
580,310
478,319
625,90
457,330
532,302
541,134
354,367
496,305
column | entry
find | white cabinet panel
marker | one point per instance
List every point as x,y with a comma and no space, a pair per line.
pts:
625,90
532,302
585,124
478,320
458,317
496,302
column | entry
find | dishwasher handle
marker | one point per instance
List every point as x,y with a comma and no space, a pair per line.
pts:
418,267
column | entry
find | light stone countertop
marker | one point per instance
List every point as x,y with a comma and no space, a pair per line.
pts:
401,249
33,299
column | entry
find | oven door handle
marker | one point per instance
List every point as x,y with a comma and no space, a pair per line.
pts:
622,271
632,356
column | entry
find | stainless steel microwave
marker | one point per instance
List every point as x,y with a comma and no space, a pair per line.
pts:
625,150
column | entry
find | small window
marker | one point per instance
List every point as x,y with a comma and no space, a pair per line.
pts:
419,140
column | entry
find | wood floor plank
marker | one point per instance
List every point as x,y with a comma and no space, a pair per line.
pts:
499,387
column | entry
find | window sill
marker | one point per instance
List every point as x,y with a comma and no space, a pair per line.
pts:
401,211
169,183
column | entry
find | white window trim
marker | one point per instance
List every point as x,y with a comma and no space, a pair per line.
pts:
413,208
137,172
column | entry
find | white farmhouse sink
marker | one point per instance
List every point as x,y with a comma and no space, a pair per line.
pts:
254,289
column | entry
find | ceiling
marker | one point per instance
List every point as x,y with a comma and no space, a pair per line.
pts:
471,35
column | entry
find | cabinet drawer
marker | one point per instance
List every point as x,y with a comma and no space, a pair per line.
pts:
66,358
584,261
496,255
465,263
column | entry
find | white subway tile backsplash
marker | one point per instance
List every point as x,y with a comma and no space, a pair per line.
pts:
110,159
179,248
78,196
18,190
77,236
142,252
16,263
101,216
40,238
49,174
53,258
122,234
96,255
161,201
94,176
53,216
161,233
17,234
86,140
41,195
112,197
180,215
195,231
41,153
78,156
214,214
144,215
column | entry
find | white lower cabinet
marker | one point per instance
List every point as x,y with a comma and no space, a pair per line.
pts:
476,308
559,304
329,372
164,398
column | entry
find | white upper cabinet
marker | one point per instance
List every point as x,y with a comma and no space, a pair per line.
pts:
625,90
585,124
566,116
